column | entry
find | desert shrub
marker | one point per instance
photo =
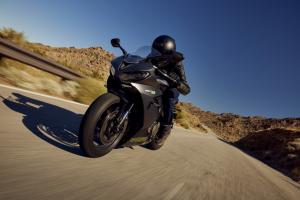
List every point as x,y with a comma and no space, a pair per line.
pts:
187,120
28,79
12,35
89,89
8,63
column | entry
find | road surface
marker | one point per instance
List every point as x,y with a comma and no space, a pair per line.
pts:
40,159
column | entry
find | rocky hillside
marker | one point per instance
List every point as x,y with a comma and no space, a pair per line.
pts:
92,62
231,127
280,148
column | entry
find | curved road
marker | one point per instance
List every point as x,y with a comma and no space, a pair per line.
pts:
40,159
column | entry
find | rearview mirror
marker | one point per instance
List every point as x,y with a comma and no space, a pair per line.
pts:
115,42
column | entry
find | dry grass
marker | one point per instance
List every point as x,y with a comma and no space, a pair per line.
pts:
14,36
89,90
23,76
26,77
187,120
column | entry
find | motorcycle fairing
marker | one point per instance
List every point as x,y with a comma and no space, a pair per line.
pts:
151,111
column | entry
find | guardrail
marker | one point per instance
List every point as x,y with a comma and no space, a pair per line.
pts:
13,51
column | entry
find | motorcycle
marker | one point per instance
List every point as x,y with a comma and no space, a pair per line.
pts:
130,112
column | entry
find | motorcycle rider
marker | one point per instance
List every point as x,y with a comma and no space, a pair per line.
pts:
166,46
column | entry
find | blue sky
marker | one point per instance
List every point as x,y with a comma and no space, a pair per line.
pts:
241,56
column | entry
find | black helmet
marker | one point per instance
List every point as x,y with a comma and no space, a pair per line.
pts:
164,44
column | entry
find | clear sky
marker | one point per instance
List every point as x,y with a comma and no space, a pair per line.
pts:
241,56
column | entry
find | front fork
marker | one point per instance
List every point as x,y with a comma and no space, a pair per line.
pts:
124,112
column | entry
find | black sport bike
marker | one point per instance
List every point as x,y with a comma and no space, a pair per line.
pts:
130,112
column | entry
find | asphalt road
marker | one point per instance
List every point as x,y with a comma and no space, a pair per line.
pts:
40,159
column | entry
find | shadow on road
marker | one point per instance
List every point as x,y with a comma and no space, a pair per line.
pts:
51,123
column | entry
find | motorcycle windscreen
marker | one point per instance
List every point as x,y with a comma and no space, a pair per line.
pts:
131,59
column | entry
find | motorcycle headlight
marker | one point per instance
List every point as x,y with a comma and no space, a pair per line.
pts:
134,76
112,71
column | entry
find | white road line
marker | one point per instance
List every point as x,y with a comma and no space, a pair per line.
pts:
174,191
42,95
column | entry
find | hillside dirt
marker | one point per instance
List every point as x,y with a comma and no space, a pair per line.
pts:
280,148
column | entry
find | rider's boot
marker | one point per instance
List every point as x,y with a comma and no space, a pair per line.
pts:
163,133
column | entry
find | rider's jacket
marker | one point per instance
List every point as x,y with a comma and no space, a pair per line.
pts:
183,86
174,67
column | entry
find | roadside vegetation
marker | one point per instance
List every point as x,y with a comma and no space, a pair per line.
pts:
93,63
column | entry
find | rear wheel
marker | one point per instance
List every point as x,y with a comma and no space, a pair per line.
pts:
98,134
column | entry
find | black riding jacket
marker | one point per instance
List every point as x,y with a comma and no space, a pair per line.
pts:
173,66
178,70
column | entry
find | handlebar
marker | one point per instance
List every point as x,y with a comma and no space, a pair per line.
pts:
164,74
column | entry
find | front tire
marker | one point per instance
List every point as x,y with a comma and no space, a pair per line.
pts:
93,137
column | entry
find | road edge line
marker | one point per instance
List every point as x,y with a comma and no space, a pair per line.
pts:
42,95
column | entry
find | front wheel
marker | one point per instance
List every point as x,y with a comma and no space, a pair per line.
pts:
98,135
